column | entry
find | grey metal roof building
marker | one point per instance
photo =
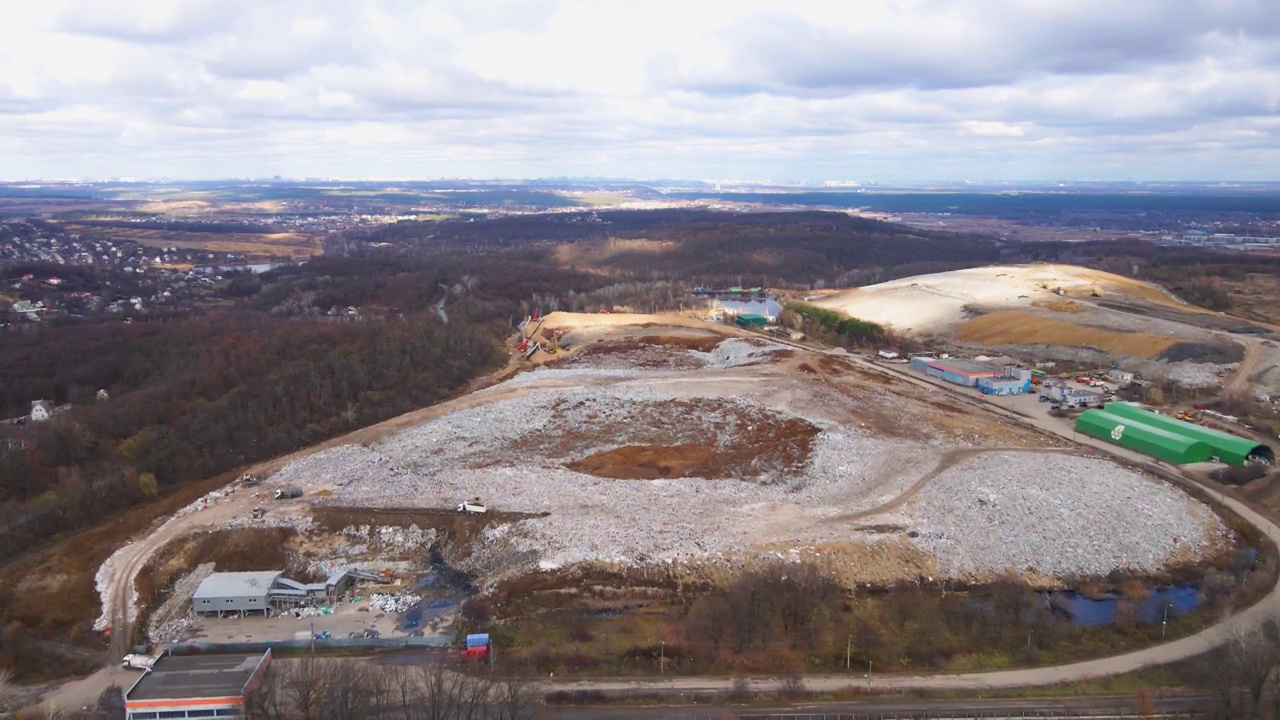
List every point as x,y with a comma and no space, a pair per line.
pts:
252,592
236,592
204,686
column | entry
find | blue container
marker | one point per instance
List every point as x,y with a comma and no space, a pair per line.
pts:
478,640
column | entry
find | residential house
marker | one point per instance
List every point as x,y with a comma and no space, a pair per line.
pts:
41,410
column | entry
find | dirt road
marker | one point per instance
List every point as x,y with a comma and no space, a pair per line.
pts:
1254,355
125,564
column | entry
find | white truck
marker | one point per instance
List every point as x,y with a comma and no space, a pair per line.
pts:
472,507
137,662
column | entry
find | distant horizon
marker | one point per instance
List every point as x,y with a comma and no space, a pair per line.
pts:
845,184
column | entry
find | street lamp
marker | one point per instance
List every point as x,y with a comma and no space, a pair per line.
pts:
1164,624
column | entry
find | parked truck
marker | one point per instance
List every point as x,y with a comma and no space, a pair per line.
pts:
137,662
472,507
288,493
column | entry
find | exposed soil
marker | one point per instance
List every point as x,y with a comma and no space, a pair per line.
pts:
463,527
1062,306
1197,318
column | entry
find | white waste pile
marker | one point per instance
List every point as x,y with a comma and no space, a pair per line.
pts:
1056,514
393,603
1192,374
735,352
172,619
468,454
389,538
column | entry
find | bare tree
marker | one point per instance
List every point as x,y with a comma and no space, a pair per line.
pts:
516,698
305,686
404,692
350,692
267,700
1239,674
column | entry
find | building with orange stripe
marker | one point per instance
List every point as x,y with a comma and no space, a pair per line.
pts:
196,686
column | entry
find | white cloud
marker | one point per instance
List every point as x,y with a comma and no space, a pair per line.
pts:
747,88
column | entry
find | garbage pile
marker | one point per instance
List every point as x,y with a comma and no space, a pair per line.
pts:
388,603
171,621
1057,514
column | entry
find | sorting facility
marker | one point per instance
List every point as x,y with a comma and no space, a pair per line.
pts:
247,593
196,686
1169,439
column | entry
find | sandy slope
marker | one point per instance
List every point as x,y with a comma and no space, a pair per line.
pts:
936,303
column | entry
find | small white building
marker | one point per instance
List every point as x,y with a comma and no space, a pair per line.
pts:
1120,377
41,410
887,355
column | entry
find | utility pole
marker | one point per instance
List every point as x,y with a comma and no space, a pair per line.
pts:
1164,624
868,676
848,649
662,659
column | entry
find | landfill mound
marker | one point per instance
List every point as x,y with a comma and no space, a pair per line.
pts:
1056,516
745,454
937,303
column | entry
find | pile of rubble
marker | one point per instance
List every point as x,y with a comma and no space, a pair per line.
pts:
172,620
735,352
388,538
388,603
1056,514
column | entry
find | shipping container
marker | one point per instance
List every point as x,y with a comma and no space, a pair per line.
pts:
478,640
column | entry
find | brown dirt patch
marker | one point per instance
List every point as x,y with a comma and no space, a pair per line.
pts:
647,462
1016,327
1062,306
334,518
749,443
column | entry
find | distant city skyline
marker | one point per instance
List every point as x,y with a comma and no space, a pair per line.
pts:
886,91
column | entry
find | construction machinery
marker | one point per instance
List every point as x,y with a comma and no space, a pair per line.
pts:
257,513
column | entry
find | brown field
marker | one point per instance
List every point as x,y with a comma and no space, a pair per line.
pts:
254,244
1016,327
1062,306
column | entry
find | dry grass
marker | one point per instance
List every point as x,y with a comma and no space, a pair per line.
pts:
257,244
586,255
1016,327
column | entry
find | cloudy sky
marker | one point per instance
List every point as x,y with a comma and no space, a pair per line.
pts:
752,89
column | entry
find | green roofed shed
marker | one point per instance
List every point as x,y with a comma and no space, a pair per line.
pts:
1148,439
1228,448
751,320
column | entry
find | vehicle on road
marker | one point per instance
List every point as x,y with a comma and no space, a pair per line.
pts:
288,493
472,507
137,662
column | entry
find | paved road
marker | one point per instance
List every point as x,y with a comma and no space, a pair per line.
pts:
1117,706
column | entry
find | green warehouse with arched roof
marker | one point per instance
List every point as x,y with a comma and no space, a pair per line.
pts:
1142,437
1168,438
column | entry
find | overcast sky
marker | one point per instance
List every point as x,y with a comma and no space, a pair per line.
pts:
750,89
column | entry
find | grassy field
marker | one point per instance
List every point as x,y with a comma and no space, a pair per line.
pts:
252,244
1016,327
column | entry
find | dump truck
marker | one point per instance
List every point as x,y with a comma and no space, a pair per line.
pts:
472,507
288,493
